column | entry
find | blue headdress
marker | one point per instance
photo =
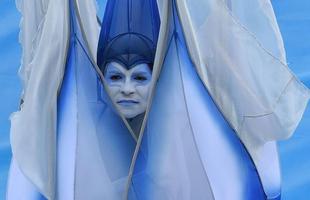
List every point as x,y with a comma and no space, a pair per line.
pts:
129,33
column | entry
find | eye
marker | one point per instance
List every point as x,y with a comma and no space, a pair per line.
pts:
140,78
115,77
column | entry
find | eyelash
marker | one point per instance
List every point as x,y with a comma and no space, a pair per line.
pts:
140,78
115,77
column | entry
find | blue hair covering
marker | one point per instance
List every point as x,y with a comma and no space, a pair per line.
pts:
129,33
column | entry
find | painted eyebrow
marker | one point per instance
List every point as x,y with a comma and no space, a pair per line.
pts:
114,72
140,73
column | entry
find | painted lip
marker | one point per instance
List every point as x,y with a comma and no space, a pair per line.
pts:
127,102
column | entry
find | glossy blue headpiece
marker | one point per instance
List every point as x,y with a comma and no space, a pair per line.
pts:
129,33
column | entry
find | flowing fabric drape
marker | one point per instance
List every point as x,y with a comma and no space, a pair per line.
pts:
221,95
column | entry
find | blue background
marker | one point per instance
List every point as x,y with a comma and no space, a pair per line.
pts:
294,20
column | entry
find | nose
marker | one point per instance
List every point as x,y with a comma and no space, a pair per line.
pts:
127,89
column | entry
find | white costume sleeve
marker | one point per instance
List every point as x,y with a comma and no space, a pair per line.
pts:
238,51
44,38
88,16
33,18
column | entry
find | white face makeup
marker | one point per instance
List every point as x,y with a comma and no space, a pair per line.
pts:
129,89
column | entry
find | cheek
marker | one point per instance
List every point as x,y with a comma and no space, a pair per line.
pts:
143,91
113,89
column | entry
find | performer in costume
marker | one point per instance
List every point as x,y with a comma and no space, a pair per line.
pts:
208,130
126,63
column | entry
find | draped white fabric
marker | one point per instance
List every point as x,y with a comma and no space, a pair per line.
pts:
31,25
235,46
87,14
44,37
238,52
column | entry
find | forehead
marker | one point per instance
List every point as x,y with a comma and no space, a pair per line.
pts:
112,67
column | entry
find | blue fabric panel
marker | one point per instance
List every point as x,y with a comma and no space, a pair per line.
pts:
188,142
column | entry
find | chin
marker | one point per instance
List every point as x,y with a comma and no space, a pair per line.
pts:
130,115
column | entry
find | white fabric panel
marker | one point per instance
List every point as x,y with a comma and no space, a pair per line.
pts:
254,89
259,19
161,4
33,17
88,16
33,128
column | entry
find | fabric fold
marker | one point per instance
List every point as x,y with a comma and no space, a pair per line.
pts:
238,55
45,34
244,72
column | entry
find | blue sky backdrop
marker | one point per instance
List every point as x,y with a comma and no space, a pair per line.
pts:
294,20
10,53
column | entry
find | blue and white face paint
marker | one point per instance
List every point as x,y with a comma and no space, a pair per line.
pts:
128,88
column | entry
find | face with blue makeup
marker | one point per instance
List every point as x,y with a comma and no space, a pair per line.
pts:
129,88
